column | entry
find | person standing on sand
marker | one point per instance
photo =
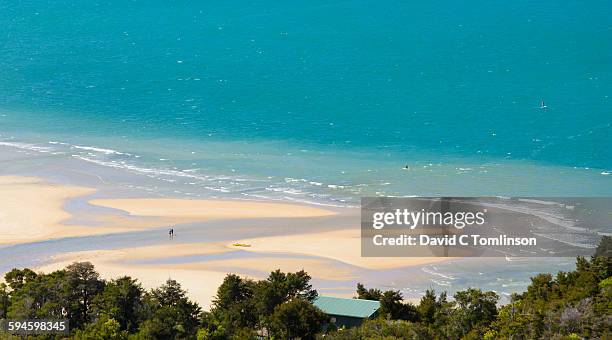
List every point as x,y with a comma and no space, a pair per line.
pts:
171,233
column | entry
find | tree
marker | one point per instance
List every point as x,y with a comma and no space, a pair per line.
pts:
541,287
41,296
4,300
442,316
211,328
121,300
241,305
233,306
278,289
81,284
601,262
102,329
428,306
368,294
298,286
172,314
297,319
381,328
516,323
605,247
474,308
17,278
391,304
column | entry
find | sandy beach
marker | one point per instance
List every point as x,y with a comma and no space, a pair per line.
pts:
196,210
329,256
32,210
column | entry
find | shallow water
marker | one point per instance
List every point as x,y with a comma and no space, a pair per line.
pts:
318,101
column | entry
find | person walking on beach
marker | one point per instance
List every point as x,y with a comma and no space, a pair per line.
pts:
171,233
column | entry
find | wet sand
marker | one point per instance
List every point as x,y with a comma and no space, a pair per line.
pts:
341,245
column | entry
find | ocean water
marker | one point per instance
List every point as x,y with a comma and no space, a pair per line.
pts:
317,101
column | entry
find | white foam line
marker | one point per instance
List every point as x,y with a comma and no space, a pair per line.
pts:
431,272
143,170
549,217
317,203
26,146
101,150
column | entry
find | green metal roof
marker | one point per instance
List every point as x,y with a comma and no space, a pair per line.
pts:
347,307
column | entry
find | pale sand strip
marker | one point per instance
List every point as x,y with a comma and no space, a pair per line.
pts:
340,245
199,278
31,209
184,209
318,268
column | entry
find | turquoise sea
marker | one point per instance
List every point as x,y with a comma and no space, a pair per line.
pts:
317,101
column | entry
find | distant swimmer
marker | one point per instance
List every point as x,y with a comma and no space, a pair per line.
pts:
171,233
406,167
543,105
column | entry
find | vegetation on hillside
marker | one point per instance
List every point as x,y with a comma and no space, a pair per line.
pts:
571,305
